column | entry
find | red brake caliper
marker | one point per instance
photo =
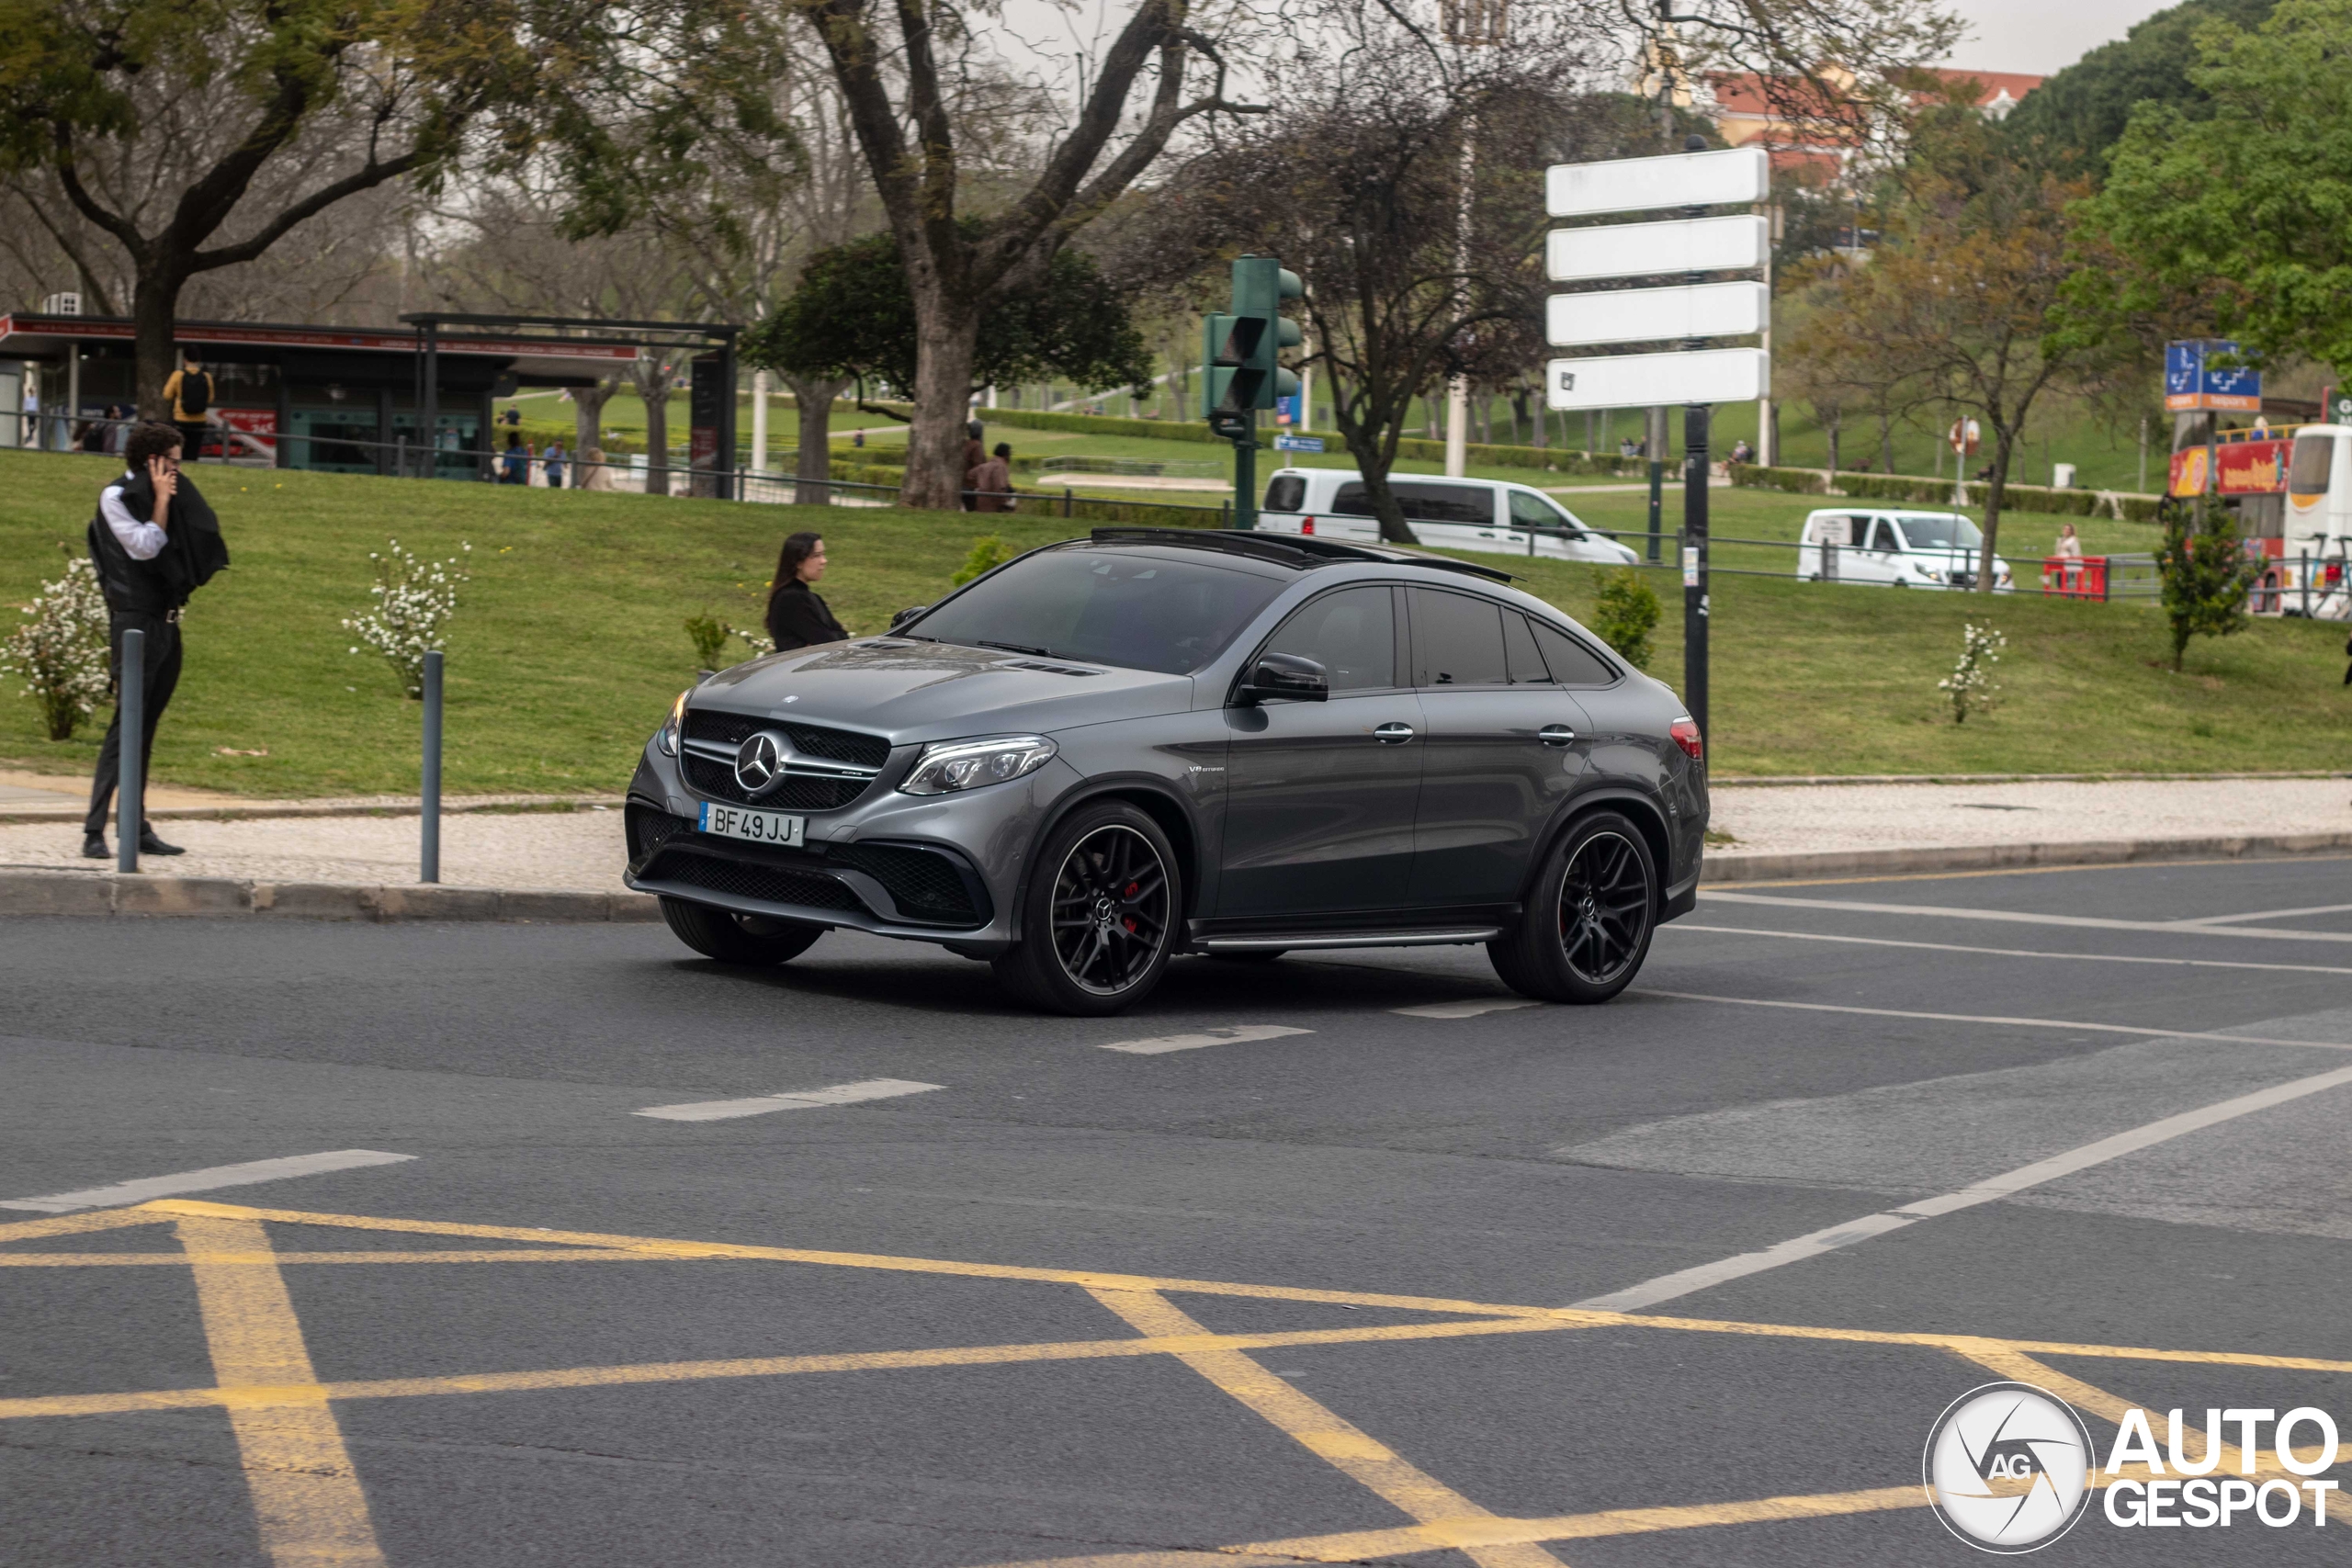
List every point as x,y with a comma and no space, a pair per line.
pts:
1133,888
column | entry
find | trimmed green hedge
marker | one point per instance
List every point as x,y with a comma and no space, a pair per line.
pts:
1920,491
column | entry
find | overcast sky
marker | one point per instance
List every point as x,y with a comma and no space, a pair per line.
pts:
2040,36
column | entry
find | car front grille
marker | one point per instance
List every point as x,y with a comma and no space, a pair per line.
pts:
797,792
750,879
648,829
926,885
826,771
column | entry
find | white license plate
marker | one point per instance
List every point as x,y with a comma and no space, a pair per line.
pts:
758,827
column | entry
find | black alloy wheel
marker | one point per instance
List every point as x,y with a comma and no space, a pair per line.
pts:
1100,919
1589,916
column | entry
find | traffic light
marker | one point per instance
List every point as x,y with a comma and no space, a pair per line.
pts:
1241,373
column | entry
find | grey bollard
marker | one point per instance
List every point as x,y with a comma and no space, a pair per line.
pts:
131,714
430,870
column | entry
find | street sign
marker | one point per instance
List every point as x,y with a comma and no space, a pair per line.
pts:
2193,381
1642,184
1965,436
1289,443
1646,381
1646,249
1650,315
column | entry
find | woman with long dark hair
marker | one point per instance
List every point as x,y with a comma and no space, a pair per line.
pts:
797,617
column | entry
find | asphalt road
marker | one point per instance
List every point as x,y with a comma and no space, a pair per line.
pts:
1342,1207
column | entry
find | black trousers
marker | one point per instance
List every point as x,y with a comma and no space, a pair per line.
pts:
192,440
161,665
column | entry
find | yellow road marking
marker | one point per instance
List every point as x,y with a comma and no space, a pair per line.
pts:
275,1260
748,1367
306,1496
76,1225
1355,1453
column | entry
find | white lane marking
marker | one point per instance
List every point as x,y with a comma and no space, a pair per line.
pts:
2014,952
2263,915
1234,1036
1464,1009
1953,912
1683,1282
801,1100
2008,1023
205,1181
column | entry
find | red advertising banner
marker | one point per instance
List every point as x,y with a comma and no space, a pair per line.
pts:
2253,468
2188,472
260,424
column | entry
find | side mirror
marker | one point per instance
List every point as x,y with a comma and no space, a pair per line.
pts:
909,614
1289,676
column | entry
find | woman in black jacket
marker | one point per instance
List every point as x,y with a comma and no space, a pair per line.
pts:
797,617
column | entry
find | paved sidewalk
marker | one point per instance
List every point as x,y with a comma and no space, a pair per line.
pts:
581,850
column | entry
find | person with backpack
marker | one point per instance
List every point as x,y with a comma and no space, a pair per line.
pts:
189,395
154,542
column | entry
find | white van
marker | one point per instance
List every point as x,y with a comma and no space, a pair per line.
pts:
1894,549
1451,514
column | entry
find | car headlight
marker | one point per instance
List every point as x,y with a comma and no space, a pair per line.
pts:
665,739
968,764
1931,573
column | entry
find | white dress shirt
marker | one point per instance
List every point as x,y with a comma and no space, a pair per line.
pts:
140,540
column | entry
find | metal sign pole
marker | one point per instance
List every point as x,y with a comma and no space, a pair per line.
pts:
429,835
1695,419
130,726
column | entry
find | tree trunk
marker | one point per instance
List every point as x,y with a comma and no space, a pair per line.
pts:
814,463
588,420
948,334
2003,440
155,310
1885,443
1831,426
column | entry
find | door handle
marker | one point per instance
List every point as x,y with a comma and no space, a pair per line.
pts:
1393,734
1556,735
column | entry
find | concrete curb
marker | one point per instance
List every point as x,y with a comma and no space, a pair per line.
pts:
556,805
87,894
1722,866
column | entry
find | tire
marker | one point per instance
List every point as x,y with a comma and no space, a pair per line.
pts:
1098,914
752,941
1589,916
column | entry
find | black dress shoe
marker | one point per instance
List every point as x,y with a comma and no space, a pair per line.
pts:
94,847
150,845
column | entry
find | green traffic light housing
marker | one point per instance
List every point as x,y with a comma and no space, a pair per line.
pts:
1241,365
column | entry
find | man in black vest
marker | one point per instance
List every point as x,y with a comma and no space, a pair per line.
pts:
154,542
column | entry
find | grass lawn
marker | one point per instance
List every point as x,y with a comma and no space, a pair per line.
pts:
567,647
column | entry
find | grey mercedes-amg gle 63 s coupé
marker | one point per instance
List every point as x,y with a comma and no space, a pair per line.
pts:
1113,752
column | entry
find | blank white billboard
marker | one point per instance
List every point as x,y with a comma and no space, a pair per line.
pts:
1648,380
1649,315
1646,249
1644,184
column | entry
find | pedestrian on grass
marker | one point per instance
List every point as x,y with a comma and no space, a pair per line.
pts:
555,465
189,393
2070,544
797,617
154,542
515,463
991,482
976,453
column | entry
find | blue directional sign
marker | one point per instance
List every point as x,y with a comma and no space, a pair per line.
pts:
2193,381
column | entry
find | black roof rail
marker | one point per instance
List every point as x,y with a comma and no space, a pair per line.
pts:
1296,550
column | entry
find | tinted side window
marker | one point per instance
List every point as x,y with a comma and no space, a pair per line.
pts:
1444,503
1284,493
1519,651
1351,500
1528,510
1457,641
1573,664
1353,634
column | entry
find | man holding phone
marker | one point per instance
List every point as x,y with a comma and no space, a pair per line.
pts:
154,542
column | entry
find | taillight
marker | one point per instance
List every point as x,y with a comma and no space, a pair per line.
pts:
1686,735
1308,527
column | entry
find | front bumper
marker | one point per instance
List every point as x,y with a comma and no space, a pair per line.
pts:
938,868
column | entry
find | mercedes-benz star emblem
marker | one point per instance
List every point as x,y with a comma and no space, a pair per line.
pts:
759,761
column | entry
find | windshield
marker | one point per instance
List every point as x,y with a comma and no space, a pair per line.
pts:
1941,533
1166,611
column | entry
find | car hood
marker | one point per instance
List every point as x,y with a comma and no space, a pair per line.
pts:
925,691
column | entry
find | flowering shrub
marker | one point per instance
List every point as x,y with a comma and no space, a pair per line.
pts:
1969,686
60,650
412,598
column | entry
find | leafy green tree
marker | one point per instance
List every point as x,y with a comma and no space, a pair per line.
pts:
2206,576
2073,120
196,134
2252,204
852,317
1624,613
